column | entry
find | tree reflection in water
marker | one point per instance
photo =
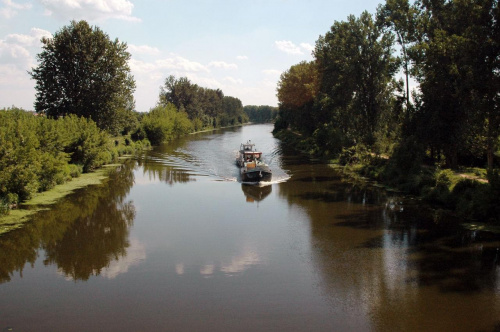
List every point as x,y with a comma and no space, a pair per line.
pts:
81,234
393,255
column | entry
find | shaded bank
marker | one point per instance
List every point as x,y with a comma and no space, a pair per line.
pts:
467,196
91,222
48,199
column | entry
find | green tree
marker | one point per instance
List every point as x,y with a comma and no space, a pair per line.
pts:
163,123
296,92
483,35
233,111
183,94
356,65
261,113
400,17
81,71
456,64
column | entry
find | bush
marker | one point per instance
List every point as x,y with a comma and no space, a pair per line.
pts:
74,170
139,134
329,140
355,155
164,123
407,157
4,206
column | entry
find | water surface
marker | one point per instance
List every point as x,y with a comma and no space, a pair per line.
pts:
174,242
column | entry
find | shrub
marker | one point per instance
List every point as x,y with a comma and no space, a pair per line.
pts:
139,134
75,170
4,207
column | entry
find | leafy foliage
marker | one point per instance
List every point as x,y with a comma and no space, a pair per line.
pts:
37,153
163,123
451,49
296,92
261,114
206,108
82,72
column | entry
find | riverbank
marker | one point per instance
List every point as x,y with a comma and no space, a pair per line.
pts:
471,195
225,127
41,201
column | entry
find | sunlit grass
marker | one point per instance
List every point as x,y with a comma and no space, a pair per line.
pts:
18,217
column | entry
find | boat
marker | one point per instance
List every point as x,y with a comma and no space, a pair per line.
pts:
252,168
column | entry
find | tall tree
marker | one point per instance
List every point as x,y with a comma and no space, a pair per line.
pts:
185,95
356,67
296,92
483,34
456,64
400,16
81,71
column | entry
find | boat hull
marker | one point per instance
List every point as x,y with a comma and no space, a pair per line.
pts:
256,175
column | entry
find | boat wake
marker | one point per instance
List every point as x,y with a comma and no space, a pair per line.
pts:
214,156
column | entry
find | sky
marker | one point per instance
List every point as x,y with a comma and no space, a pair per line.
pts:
238,46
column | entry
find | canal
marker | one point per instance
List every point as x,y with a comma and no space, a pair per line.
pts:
173,241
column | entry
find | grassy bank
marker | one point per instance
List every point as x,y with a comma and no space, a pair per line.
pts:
471,194
18,217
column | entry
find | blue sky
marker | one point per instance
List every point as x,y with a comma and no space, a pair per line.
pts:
240,47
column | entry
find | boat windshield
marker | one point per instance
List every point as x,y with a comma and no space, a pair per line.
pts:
251,156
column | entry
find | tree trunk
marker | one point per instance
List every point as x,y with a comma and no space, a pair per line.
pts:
489,154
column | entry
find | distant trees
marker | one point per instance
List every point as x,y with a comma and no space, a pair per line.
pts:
82,72
261,114
233,113
206,108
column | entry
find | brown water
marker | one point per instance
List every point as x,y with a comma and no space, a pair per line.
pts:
173,242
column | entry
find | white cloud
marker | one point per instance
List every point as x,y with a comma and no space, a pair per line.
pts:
141,67
18,50
17,57
176,62
90,9
204,81
31,40
11,8
307,47
11,76
14,54
242,57
288,47
233,80
272,72
143,49
150,75
222,64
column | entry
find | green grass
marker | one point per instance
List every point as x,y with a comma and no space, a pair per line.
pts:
59,191
15,219
18,217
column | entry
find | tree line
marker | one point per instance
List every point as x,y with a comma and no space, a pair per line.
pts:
37,153
261,114
85,114
353,100
350,94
